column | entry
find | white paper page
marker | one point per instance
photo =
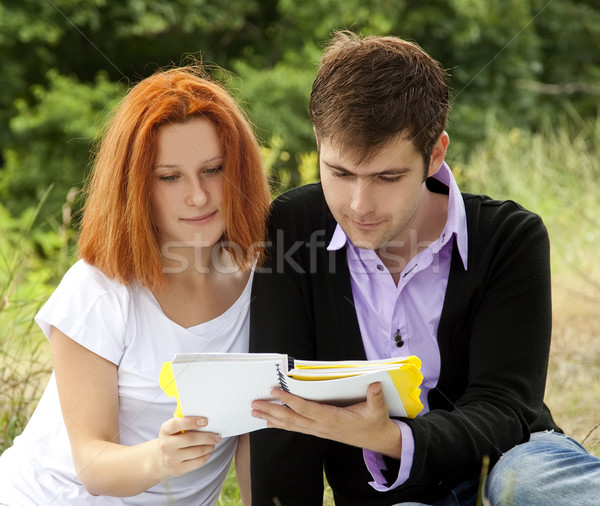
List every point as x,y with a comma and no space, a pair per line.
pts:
223,391
346,391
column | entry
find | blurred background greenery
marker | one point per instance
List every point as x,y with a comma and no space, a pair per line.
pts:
65,63
525,78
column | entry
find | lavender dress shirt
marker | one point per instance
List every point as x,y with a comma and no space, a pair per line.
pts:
412,308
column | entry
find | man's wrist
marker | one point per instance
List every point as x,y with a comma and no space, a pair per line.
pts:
391,444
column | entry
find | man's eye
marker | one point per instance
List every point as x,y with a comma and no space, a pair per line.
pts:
387,179
338,174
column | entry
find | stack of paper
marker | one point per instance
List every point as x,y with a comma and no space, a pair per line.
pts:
222,386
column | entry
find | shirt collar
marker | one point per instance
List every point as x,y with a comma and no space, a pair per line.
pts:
456,222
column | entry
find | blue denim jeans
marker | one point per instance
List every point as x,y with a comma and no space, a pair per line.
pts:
551,469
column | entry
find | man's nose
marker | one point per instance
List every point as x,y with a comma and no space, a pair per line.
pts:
362,202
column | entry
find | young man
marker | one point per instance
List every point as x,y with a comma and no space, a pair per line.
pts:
386,258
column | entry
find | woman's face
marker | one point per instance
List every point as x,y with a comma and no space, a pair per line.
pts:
187,195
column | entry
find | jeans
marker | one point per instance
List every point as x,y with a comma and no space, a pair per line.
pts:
550,470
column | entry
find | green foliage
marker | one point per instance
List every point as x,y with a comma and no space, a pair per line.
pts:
62,60
554,172
230,494
524,60
52,139
32,260
281,111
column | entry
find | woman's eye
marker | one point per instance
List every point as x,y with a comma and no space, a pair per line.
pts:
168,178
212,170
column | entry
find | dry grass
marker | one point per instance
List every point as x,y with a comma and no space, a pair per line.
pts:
573,386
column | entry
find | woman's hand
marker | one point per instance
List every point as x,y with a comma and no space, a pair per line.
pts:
89,397
183,447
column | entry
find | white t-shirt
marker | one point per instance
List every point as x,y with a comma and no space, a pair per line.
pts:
125,325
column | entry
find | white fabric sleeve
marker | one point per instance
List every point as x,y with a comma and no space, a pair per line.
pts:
89,308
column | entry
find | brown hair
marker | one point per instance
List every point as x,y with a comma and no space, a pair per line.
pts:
117,233
370,90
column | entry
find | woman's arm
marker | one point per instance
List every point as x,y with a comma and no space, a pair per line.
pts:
88,392
242,468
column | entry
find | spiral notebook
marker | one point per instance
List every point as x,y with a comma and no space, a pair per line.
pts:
222,386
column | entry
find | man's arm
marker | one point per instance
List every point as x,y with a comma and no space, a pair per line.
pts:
366,425
494,345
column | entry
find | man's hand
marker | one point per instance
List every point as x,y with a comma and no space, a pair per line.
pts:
365,425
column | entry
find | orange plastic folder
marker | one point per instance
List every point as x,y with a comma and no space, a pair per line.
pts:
222,386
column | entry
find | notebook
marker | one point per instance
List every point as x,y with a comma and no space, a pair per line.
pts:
222,386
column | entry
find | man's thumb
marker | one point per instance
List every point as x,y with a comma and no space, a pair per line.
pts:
375,393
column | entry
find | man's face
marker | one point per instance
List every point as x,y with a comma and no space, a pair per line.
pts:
377,202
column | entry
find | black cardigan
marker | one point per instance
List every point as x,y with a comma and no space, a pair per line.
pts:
494,340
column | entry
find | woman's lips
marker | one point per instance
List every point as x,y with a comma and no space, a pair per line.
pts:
199,220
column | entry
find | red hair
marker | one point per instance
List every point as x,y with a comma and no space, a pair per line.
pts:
117,233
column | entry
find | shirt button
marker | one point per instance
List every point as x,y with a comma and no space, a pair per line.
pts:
380,267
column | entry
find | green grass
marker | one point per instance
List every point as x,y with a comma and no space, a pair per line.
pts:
230,495
24,357
555,173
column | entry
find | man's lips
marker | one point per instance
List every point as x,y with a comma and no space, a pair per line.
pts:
365,225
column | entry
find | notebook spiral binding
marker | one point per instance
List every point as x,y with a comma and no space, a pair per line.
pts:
282,379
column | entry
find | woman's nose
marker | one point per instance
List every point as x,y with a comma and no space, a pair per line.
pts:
197,195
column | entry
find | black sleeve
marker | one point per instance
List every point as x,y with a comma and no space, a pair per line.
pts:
494,351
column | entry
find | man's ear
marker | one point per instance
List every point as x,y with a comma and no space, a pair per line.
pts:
438,153
316,139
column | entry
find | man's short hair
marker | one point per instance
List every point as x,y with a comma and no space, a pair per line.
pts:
370,90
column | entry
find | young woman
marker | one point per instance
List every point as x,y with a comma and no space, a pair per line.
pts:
172,227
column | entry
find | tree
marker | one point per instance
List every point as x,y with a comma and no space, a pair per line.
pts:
65,61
